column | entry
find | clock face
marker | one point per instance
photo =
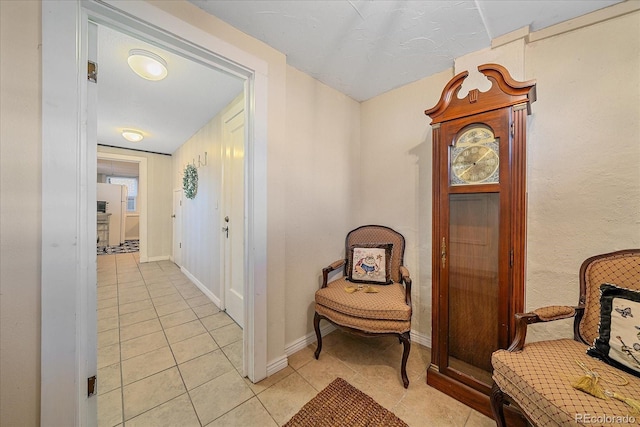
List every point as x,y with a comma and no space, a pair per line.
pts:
475,157
475,135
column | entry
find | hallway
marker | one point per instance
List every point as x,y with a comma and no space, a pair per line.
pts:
159,336
168,356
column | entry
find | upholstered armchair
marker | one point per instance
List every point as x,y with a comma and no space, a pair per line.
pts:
373,298
537,378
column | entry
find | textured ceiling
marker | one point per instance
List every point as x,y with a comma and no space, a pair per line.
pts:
360,47
364,48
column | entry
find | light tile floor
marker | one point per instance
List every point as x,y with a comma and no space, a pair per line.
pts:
168,357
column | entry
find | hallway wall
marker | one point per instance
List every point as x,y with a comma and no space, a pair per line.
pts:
201,222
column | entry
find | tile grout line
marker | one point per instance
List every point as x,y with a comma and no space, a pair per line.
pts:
184,384
120,345
122,385
172,355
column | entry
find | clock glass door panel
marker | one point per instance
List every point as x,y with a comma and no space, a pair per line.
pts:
473,283
474,277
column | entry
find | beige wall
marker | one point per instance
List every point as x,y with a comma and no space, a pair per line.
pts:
396,177
323,166
20,210
159,200
583,157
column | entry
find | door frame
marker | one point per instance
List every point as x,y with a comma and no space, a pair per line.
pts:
68,202
142,194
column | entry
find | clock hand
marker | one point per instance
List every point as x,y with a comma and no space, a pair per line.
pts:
474,163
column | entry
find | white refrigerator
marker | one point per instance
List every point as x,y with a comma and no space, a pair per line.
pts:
116,198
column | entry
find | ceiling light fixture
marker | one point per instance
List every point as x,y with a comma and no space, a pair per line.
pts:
132,135
147,65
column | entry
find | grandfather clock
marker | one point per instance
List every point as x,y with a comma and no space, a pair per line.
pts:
479,229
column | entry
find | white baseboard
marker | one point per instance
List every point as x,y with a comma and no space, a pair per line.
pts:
214,299
421,339
277,365
310,338
282,362
155,258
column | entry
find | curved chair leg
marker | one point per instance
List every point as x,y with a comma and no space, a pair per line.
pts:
497,405
316,326
405,338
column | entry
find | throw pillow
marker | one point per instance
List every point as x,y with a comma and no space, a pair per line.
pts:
619,330
370,263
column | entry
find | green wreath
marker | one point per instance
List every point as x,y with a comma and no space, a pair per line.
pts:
190,181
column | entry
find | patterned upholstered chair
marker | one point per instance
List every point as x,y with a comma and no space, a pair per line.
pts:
536,378
369,308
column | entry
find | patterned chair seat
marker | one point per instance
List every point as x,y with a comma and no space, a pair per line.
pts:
387,304
540,378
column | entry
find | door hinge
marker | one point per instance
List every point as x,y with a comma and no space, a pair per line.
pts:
511,258
91,385
513,129
180,245
92,72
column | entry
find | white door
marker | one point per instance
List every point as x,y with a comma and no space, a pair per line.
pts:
177,227
233,215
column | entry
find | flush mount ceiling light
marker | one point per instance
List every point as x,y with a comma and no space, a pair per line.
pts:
147,65
132,135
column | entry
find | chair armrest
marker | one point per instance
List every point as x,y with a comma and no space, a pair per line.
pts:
544,314
333,266
406,279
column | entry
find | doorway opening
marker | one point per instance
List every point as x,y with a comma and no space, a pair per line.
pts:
177,116
110,164
67,319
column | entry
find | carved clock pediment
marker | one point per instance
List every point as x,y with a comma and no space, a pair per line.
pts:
504,92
